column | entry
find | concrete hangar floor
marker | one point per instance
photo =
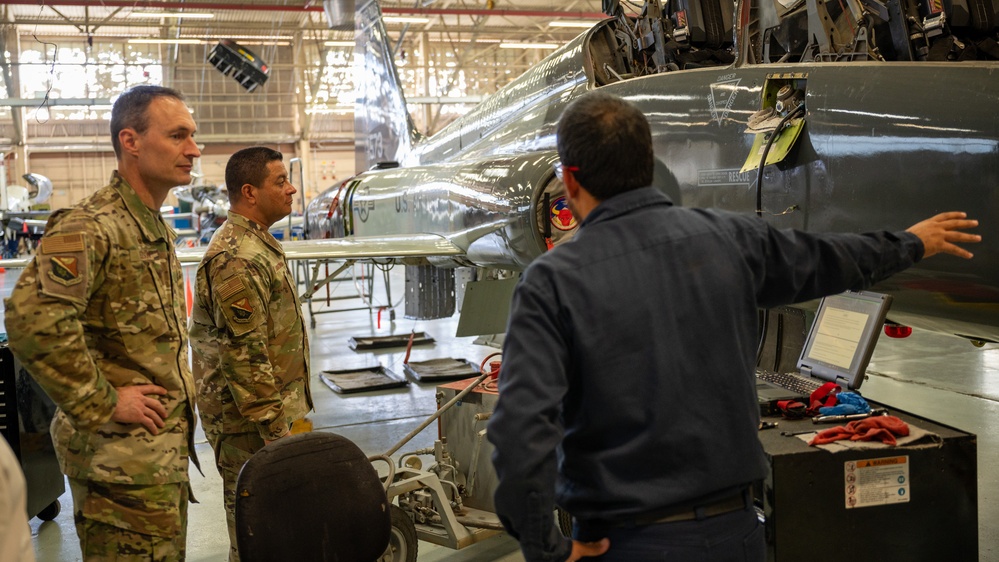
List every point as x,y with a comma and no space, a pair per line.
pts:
938,377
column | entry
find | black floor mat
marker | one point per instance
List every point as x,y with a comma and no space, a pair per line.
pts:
362,380
360,343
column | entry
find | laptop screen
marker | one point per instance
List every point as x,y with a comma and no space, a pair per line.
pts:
842,338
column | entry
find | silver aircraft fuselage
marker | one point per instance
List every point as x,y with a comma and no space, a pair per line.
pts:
883,146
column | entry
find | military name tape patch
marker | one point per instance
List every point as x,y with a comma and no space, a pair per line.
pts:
242,311
62,244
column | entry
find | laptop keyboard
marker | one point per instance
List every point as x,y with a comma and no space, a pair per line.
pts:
790,381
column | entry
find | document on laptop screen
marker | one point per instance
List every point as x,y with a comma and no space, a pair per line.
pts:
838,336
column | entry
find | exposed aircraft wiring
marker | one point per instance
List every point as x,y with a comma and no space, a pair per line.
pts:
800,110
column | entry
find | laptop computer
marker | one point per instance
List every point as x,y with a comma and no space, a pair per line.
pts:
838,349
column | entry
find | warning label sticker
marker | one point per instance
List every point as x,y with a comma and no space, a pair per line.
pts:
876,482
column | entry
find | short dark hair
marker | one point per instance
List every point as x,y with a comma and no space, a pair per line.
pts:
609,140
129,110
248,166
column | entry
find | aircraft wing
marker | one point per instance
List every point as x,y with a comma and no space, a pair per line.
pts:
357,248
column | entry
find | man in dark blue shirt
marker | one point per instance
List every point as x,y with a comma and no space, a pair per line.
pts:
627,391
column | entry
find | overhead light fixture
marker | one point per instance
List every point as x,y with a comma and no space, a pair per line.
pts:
264,43
477,40
167,41
568,23
330,110
215,37
191,15
405,19
338,43
529,46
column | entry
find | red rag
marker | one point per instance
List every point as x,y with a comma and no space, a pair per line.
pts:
874,434
830,435
879,428
875,428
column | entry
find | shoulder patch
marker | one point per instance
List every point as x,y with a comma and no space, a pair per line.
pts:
65,270
62,244
242,310
63,267
232,286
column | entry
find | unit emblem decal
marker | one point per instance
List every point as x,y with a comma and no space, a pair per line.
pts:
560,214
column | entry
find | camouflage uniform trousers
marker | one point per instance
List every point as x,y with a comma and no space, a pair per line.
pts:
118,522
232,450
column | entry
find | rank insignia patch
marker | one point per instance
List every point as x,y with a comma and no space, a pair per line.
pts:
65,270
242,311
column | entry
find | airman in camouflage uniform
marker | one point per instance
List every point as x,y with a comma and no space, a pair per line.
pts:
97,319
251,355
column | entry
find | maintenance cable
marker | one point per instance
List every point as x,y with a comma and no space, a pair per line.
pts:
766,152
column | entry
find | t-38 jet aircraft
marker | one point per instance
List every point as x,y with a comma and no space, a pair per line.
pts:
846,115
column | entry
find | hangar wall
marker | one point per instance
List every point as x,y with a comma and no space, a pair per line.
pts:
75,175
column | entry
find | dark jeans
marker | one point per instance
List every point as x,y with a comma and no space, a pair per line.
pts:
731,537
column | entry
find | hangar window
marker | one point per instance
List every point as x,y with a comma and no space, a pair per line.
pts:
331,85
69,72
4,110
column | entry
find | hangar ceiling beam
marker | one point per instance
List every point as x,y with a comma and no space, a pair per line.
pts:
313,8
69,21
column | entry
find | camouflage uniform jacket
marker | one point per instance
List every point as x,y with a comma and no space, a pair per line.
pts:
101,307
251,353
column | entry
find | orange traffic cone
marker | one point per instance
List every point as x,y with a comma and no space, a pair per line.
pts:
188,296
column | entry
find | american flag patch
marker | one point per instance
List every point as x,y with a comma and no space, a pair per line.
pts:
230,288
63,244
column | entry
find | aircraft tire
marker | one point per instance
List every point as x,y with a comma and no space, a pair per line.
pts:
713,26
403,544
